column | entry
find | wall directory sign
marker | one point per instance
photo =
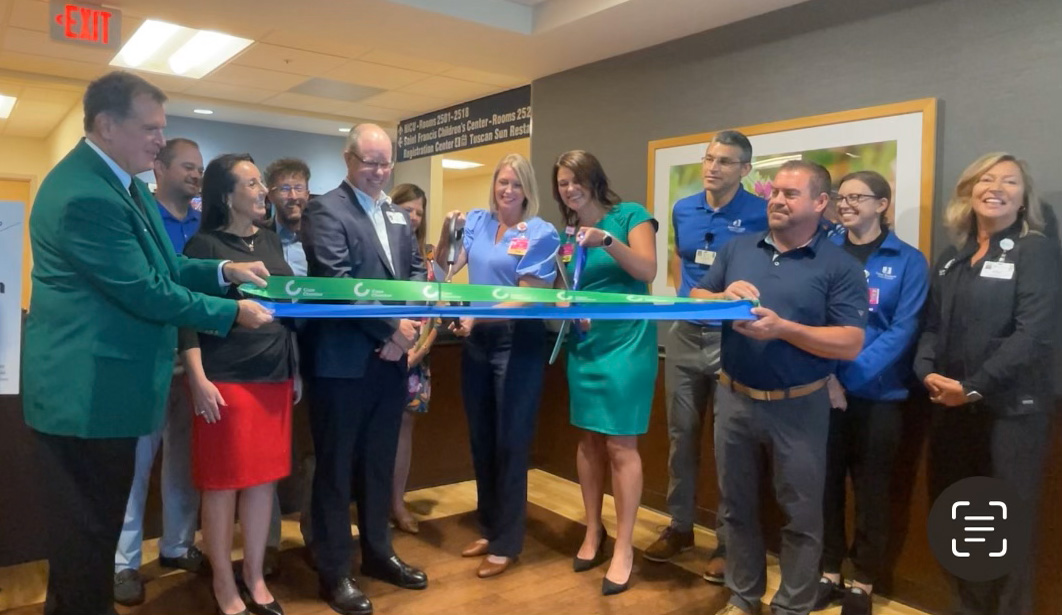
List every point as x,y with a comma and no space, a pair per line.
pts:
492,119
12,216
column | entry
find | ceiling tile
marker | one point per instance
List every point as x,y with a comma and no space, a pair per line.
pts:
482,76
314,104
311,42
445,87
37,43
288,60
29,15
50,95
34,118
24,62
376,75
225,91
404,101
422,63
250,76
171,84
337,90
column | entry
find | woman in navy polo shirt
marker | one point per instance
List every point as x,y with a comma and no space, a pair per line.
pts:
503,361
866,420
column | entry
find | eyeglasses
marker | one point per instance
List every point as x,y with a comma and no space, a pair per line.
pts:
376,165
291,189
853,199
723,162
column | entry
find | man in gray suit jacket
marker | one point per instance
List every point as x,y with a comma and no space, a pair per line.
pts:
359,370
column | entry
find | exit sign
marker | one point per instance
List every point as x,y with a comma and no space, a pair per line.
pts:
86,24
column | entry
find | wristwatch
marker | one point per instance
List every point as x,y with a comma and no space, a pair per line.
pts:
971,395
607,241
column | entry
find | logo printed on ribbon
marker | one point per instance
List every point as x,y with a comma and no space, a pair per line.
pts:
431,293
500,294
291,290
563,296
360,290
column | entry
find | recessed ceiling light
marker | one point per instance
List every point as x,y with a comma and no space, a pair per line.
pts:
344,130
7,103
170,49
460,165
203,111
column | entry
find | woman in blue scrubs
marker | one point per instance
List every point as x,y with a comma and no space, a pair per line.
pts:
503,361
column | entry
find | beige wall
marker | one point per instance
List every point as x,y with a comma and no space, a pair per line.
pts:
66,135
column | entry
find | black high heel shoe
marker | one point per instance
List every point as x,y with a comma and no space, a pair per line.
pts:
582,565
273,608
608,588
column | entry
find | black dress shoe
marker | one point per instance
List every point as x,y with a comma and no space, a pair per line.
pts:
582,565
193,560
395,572
128,588
345,598
856,602
827,593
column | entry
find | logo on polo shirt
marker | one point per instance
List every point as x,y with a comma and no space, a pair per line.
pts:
735,227
886,273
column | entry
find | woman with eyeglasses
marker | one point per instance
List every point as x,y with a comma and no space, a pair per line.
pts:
986,355
866,420
503,361
242,389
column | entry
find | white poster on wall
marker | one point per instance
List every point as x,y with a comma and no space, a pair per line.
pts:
12,216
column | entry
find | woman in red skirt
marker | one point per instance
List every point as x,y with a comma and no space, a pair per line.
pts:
242,386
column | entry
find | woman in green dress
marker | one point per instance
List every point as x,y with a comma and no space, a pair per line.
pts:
612,365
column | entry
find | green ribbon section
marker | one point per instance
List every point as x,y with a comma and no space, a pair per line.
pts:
352,289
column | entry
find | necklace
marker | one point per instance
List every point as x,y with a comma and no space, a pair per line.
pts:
250,241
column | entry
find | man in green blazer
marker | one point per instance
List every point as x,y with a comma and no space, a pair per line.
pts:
108,296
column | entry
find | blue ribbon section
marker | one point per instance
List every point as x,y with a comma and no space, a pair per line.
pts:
715,310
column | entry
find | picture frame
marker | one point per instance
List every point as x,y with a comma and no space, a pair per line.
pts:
897,140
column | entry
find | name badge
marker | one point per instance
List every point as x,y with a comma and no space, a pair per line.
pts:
705,257
998,270
566,252
396,217
518,246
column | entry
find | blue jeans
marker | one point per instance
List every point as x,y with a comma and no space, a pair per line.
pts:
180,500
502,366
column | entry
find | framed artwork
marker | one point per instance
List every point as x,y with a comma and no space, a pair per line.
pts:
897,140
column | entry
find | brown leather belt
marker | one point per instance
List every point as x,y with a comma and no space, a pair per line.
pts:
758,395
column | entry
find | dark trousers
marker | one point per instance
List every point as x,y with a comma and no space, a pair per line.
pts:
862,442
502,365
972,441
355,424
85,485
793,432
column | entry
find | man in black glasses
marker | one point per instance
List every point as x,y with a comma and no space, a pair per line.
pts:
703,223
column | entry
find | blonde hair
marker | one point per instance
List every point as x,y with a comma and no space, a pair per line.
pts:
526,176
959,216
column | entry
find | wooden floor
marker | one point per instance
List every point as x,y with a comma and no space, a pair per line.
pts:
541,583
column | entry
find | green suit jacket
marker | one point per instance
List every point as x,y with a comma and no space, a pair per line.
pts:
108,297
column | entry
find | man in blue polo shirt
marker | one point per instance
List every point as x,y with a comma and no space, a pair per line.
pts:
703,223
178,171
772,394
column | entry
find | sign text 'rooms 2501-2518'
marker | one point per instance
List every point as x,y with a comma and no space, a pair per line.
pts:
491,119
